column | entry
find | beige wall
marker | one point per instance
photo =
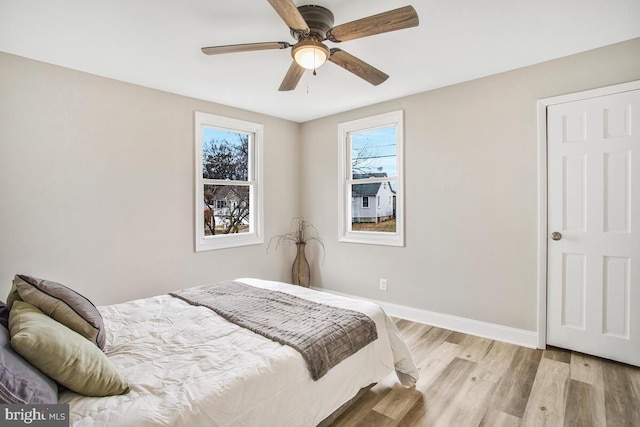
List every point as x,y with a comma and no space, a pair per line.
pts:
96,178
96,185
471,191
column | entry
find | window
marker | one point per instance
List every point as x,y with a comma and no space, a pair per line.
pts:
228,182
371,154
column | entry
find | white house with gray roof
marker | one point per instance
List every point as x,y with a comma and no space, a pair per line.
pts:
372,202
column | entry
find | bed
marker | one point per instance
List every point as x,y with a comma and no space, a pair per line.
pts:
188,366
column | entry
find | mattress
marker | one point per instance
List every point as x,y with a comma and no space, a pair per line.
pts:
187,366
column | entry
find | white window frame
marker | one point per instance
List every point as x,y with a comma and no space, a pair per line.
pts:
345,181
256,216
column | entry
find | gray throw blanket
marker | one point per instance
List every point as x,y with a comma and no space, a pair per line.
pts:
323,335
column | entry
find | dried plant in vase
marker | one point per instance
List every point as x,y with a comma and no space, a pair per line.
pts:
302,232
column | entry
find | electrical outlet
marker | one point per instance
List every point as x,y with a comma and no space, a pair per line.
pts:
383,284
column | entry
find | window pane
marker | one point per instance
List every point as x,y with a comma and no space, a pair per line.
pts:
373,153
366,216
226,209
225,154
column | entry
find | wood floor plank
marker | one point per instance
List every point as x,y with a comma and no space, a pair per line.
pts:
434,337
587,369
456,337
583,407
622,401
416,416
427,343
357,411
496,362
365,404
514,388
634,379
398,402
546,406
442,392
495,418
470,403
558,354
374,418
411,330
476,348
432,367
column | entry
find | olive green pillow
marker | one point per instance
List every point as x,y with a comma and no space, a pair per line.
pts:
63,354
63,304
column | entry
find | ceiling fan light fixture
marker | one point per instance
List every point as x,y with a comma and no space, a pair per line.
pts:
310,54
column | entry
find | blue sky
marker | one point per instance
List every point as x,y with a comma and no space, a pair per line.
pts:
379,146
209,133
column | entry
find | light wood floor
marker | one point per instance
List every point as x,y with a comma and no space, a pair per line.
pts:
471,381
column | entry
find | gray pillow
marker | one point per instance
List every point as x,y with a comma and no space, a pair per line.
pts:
13,296
64,305
21,382
4,315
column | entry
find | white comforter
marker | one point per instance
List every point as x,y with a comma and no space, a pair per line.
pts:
187,366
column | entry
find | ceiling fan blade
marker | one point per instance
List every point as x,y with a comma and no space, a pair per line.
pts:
397,19
292,77
290,15
247,47
357,67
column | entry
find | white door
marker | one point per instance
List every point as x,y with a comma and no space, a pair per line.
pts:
593,282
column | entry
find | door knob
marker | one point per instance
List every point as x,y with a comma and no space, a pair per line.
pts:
556,235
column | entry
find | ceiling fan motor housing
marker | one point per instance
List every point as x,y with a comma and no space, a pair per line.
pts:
319,20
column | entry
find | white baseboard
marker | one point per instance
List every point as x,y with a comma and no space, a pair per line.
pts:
492,331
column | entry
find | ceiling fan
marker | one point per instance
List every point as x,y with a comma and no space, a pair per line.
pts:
312,25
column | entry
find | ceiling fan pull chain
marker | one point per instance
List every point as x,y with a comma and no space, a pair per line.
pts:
314,58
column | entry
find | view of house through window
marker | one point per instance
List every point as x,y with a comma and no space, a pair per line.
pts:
225,159
371,173
228,182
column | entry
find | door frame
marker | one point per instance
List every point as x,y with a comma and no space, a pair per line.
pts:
542,105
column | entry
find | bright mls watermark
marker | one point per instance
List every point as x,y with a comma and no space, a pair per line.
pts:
34,415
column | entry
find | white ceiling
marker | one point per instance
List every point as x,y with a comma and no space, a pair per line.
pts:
156,43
